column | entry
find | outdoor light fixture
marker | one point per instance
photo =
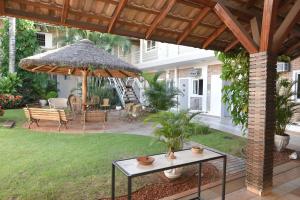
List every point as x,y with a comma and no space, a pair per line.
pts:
69,72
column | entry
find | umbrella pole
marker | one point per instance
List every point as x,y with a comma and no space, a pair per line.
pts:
84,89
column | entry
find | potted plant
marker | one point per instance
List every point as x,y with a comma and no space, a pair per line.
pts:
285,109
173,129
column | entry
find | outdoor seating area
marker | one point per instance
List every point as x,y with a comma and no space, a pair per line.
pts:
149,100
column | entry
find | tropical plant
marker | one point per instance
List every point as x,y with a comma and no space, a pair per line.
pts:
9,84
52,94
284,58
173,128
103,40
42,85
160,94
235,70
285,105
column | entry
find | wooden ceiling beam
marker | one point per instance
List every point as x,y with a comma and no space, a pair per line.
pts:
292,48
159,18
236,28
108,72
268,24
194,24
193,3
286,26
214,36
125,74
255,30
232,45
38,67
250,3
116,15
65,10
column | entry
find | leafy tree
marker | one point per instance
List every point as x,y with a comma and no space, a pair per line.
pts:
10,83
26,45
103,40
235,70
160,94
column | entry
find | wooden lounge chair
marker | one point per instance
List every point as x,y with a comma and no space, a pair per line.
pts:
94,116
34,115
136,111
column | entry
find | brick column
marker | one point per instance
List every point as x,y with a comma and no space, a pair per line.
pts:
261,123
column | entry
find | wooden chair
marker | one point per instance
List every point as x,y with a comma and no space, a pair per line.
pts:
94,116
136,111
75,103
34,115
94,102
127,110
105,104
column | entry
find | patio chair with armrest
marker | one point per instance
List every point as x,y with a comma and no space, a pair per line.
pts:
136,111
94,102
105,104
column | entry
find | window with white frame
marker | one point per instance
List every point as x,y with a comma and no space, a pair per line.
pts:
41,38
150,45
198,86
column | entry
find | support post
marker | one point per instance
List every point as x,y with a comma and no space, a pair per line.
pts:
84,89
261,122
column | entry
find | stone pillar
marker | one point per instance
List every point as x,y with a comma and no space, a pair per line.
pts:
261,123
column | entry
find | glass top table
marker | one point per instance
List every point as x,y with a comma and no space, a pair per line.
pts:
131,168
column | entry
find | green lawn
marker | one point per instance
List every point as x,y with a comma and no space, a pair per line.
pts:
58,166
39,165
222,141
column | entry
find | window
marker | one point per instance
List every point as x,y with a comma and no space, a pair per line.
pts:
198,87
41,38
150,45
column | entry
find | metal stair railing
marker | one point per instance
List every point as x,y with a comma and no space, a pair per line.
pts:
120,88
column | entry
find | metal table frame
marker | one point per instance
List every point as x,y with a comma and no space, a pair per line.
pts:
129,176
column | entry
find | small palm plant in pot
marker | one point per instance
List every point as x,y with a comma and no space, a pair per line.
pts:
173,129
285,109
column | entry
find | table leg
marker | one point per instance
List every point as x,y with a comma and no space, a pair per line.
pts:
129,188
199,180
224,178
113,182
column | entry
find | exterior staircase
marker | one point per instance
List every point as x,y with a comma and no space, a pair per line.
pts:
130,96
128,91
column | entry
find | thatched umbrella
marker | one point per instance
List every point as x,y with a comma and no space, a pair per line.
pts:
80,59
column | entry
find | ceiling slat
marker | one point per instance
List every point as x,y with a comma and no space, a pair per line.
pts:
214,36
116,14
159,18
193,24
65,10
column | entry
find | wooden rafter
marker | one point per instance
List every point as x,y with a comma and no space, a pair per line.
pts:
52,69
65,10
116,15
291,49
207,3
159,18
125,74
193,24
108,72
2,7
236,28
214,36
36,68
286,26
268,24
231,45
255,29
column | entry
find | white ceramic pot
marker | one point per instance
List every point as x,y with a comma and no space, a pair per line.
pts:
173,173
43,102
281,141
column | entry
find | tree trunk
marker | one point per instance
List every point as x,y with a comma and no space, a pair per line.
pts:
12,45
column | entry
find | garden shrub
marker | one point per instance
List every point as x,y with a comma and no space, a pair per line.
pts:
10,101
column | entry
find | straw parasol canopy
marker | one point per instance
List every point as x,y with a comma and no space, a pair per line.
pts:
80,59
